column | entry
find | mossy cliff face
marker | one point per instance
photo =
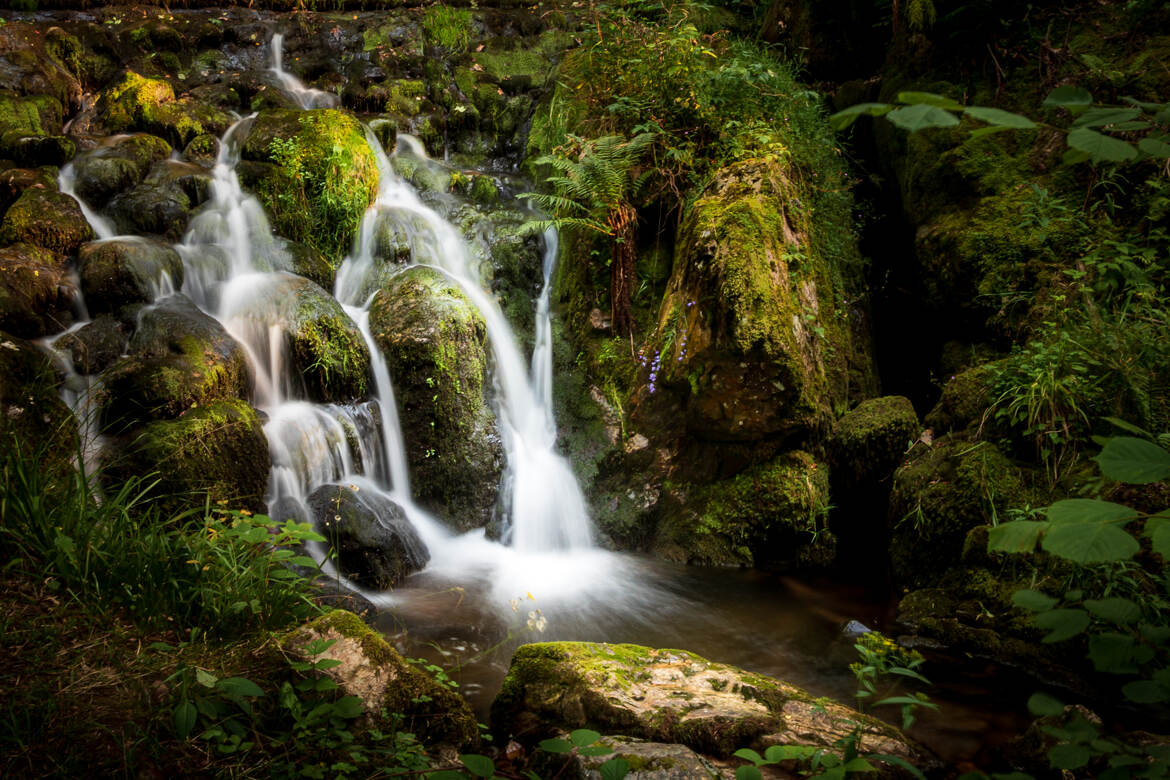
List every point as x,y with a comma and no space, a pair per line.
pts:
321,179
373,671
434,342
772,516
670,696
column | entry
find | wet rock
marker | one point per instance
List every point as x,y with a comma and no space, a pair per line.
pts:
126,272
323,178
150,105
869,441
113,168
309,263
374,672
46,218
179,358
770,516
29,123
376,546
211,452
94,347
32,416
37,292
14,181
161,204
36,62
434,341
672,696
327,350
966,401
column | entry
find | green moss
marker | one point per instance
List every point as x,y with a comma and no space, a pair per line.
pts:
869,441
46,218
139,103
447,27
329,349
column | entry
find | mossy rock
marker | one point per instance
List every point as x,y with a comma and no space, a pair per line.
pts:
306,261
869,441
32,417
324,178
942,492
149,105
24,119
328,354
434,341
966,400
113,168
42,149
211,452
125,272
95,346
750,330
179,359
161,204
385,682
14,181
645,760
374,543
37,292
46,218
772,516
671,696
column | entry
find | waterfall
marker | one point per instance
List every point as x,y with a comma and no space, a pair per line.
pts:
305,97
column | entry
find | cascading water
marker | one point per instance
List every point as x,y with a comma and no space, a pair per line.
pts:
306,97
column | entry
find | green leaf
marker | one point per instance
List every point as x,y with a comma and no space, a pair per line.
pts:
1100,147
921,117
1145,692
480,766
788,752
748,772
1129,459
930,99
1069,756
583,737
614,769
1062,624
1100,117
1090,543
1112,652
239,686
206,679
747,754
1016,536
1033,600
348,707
556,745
842,119
184,718
1069,96
1088,510
999,118
1118,611
858,765
1044,706
1155,147
1158,530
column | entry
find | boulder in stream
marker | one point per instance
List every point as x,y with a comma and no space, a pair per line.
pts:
375,543
95,346
673,696
149,105
117,166
869,441
161,203
434,341
37,292
47,218
128,271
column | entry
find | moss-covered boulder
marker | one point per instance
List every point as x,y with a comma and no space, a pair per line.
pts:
869,441
754,328
672,696
179,359
941,493
215,451
95,346
771,516
646,761
127,272
374,672
37,292
116,166
328,354
32,415
375,544
14,181
135,102
434,342
46,218
966,400
321,178
308,262
161,203
30,130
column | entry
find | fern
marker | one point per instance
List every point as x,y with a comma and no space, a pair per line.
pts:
920,14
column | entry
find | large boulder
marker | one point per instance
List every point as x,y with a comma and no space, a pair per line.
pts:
434,342
46,218
95,346
869,440
149,105
753,330
213,452
672,696
385,682
127,272
376,546
35,61
162,202
14,181
116,166
30,131
770,516
328,353
37,292
179,358
318,175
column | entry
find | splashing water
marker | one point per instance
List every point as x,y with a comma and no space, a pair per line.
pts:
305,97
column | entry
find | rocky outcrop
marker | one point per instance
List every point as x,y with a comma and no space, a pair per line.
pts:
434,342
149,105
672,696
